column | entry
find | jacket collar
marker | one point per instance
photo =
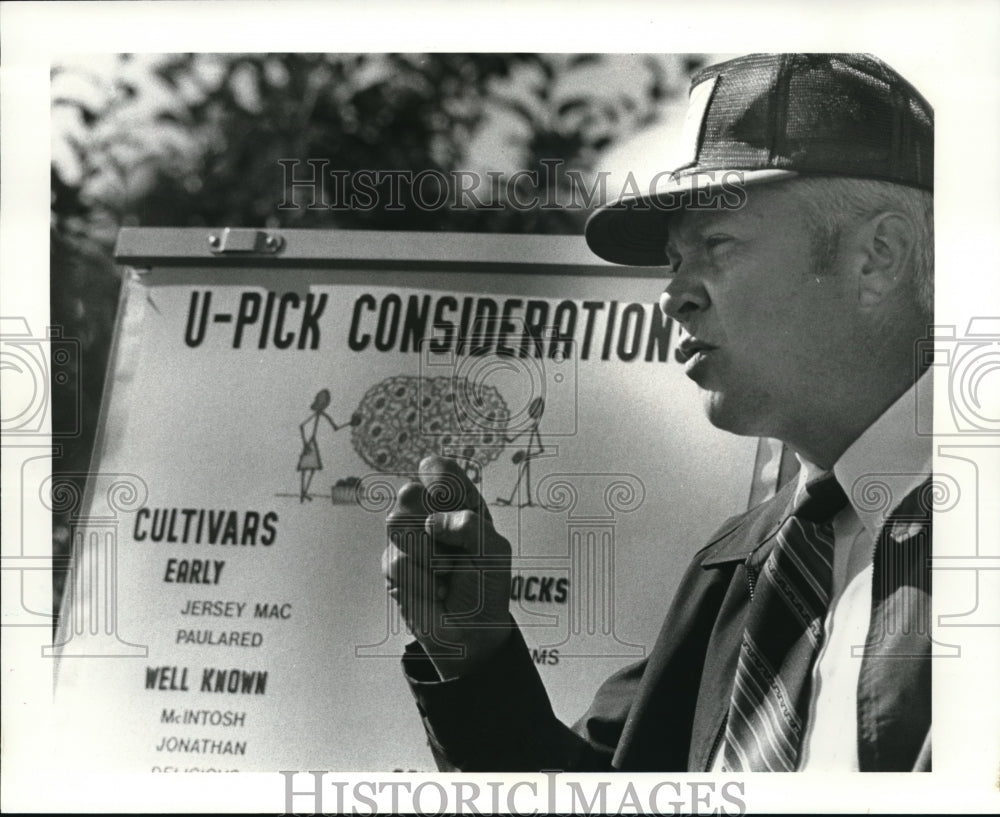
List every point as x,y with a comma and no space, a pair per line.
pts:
743,535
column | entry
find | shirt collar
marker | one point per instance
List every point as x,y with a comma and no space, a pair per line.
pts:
888,461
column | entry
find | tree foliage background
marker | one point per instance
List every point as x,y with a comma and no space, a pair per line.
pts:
186,140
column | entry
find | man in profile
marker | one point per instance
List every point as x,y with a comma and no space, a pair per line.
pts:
797,241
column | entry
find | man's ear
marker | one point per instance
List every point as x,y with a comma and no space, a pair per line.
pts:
887,244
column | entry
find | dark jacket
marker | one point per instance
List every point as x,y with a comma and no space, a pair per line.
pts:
667,713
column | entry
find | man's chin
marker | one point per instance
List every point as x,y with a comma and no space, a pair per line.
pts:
731,413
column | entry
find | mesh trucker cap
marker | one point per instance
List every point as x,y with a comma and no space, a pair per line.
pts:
768,117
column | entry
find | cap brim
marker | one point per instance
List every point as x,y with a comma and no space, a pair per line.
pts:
633,230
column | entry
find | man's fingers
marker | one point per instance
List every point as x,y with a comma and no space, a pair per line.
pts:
417,590
410,501
463,531
419,611
406,522
442,508
409,571
401,564
448,488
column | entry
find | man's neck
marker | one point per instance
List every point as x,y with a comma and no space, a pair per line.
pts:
833,432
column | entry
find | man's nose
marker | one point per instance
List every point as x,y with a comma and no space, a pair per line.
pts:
683,297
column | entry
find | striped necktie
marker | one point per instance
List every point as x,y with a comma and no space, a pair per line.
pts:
782,637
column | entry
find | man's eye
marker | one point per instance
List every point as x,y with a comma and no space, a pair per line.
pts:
715,241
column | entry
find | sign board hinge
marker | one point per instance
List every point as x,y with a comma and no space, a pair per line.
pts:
244,242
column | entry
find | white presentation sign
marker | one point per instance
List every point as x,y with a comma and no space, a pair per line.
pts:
227,609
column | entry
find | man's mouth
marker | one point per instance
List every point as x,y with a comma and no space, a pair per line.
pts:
691,347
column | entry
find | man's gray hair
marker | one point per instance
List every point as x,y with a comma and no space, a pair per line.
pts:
833,203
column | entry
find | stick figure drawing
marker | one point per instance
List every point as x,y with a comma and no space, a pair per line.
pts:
522,458
309,460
